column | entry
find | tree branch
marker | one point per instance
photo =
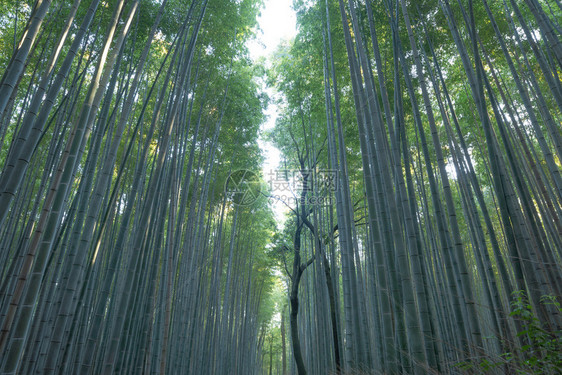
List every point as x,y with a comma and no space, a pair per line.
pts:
285,262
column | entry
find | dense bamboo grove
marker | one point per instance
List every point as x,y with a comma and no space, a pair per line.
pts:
442,120
120,252
434,248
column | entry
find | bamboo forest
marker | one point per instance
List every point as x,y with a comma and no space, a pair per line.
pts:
244,187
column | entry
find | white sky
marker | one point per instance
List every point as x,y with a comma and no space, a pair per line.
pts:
277,22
